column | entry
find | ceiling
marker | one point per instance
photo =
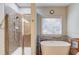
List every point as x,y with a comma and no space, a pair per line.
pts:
24,5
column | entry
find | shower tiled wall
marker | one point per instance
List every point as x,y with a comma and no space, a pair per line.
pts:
14,31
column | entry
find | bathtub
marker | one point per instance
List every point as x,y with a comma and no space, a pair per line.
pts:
55,47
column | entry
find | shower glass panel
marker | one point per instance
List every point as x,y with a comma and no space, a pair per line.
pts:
26,33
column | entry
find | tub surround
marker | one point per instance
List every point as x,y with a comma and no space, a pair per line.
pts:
53,37
49,38
65,38
55,47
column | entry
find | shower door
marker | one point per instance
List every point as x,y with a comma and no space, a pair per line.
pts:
26,34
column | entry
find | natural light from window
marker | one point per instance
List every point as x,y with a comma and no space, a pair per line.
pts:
52,25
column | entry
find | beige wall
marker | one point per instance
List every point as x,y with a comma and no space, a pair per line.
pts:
73,20
58,12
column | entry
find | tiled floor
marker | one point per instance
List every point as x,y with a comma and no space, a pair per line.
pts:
18,51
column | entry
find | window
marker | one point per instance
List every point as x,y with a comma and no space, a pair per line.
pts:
52,25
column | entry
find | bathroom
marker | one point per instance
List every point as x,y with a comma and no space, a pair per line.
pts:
31,29
64,19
